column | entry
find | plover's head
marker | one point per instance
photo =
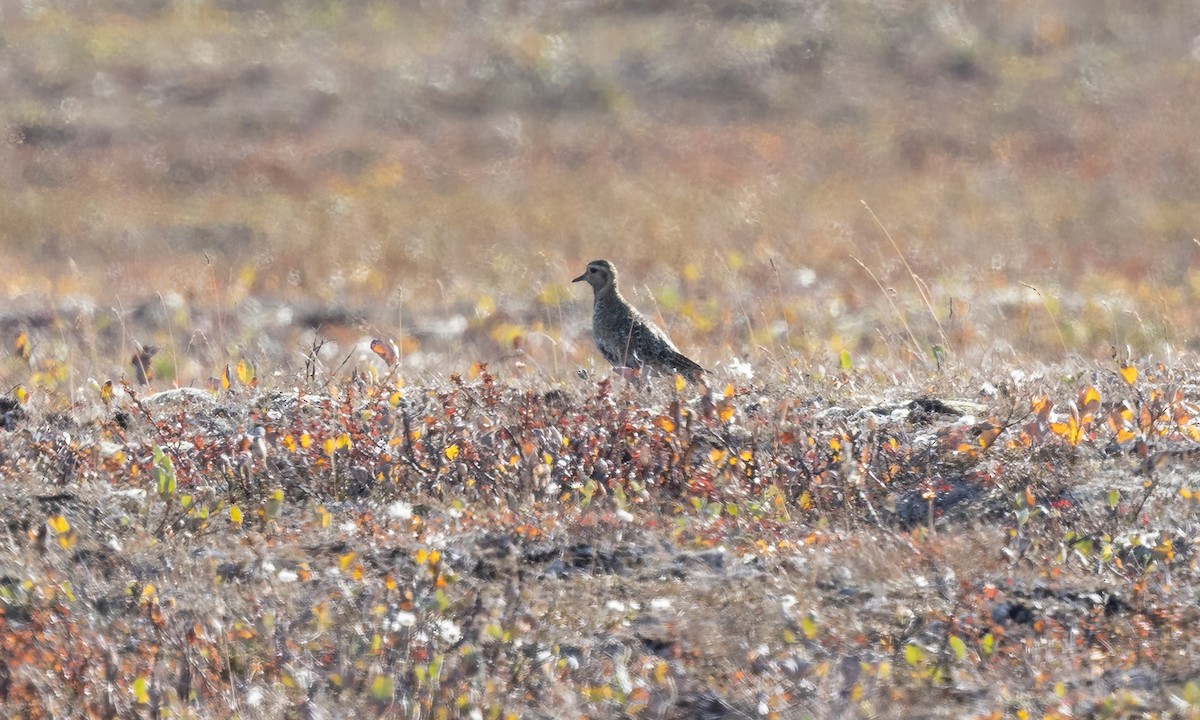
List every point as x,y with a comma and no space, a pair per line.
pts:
600,274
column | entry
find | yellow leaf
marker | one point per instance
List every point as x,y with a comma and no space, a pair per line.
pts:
65,586
728,391
435,557
106,392
1129,374
66,542
726,412
806,501
59,524
141,690
666,423
1071,430
345,560
20,394
22,345
382,688
305,440
274,504
289,442
421,556
451,452
235,515
245,372
913,654
328,446
660,671
809,626
679,382
343,441
225,382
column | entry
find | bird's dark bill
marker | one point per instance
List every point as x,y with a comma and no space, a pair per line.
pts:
580,278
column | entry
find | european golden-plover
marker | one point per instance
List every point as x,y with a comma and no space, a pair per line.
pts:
623,335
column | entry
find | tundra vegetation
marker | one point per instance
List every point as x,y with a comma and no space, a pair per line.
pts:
301,417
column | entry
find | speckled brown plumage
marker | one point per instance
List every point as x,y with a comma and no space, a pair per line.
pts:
623,335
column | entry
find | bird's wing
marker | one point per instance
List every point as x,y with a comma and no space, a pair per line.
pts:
615,355
684,364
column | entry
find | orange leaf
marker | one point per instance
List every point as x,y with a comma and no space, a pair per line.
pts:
1041,407
987,437
386,350
1128,373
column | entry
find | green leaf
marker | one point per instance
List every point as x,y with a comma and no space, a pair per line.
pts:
847,363
141,690
619,497
989,644
1114,497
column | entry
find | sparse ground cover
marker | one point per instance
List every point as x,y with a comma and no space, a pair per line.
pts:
944,466
481,547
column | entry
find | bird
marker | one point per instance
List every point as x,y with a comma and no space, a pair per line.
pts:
624,336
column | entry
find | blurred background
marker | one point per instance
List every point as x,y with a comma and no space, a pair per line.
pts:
234,179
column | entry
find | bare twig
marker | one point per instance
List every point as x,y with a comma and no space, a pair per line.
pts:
921,287
916,346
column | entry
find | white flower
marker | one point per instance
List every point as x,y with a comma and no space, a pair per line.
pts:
449,631
403,619
741,368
